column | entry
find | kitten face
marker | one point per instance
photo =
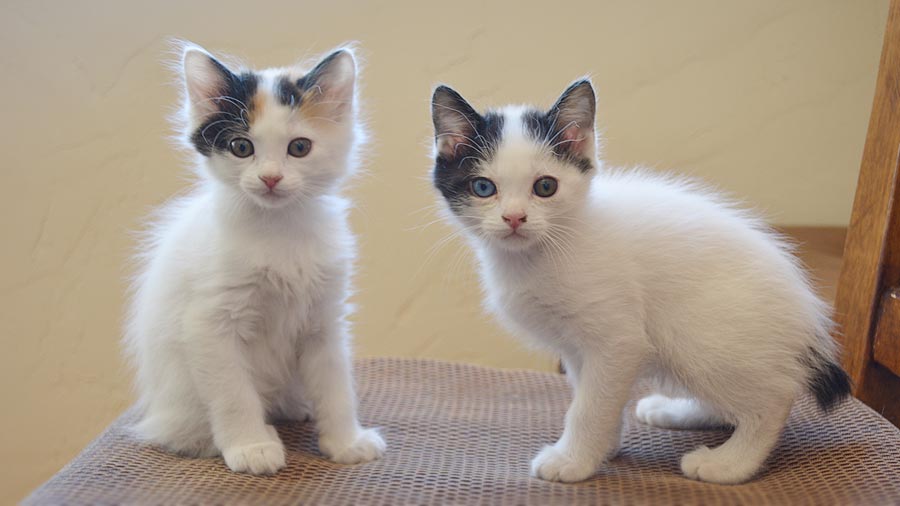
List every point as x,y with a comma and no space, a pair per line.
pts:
276,136
514,177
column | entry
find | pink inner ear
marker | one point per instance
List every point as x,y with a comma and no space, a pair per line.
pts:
573,138
448,144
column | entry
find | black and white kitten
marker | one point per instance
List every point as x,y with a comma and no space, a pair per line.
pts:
630,275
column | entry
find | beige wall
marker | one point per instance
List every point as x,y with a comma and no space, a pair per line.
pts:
768,99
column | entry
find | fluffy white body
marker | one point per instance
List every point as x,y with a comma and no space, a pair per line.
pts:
629,275
239,313
662,281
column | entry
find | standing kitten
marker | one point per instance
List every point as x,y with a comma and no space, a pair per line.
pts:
629,275
239,313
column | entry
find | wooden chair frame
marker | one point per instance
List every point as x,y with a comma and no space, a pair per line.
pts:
867,305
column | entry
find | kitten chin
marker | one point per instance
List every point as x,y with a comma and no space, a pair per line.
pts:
238,313
631,274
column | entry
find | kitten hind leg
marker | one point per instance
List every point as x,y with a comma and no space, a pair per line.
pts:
676,413
178,431
172,416
291,405
743,455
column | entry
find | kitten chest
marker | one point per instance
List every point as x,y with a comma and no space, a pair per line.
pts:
537,304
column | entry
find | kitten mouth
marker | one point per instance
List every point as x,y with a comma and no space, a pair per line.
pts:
514,235
272,195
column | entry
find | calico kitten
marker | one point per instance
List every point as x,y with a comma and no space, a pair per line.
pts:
239,312
630,275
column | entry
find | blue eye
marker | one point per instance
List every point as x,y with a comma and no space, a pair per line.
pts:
483,187
545,186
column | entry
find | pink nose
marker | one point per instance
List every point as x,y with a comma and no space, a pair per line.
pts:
271,181
515,220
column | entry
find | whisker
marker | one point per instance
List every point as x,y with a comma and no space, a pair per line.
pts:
464,117
567,140
323,118
556,113
457,263
561,130
203,132
565,240
436,220
224,130
436,247
233,100
480,150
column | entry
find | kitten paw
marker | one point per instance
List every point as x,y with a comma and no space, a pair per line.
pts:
716,466
657,410
667,413
367,445
257,458
551,464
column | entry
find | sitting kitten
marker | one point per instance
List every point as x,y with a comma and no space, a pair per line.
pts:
239,311
630,275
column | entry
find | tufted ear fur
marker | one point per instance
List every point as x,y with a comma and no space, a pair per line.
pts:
573,119
454,121
205,79
329,86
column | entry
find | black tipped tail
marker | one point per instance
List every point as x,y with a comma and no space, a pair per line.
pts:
827,381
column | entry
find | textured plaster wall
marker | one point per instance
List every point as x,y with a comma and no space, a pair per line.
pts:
767,99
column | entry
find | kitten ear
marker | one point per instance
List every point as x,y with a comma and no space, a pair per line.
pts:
454,120
205,79
573,119
331,83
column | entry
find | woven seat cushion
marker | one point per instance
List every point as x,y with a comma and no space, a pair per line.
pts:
465,434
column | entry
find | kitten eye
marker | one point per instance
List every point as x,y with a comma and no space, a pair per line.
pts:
299,147
241,147
545,186
483,187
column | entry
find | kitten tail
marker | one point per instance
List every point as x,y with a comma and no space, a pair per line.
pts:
827,381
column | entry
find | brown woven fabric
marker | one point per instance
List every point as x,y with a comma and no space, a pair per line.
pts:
465,434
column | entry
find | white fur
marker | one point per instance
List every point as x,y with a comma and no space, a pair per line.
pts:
629,275
239,312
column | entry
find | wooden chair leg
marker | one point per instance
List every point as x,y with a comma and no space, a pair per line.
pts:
864,307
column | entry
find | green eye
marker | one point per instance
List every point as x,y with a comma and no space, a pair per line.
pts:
299,147
241,147
483,187
545,186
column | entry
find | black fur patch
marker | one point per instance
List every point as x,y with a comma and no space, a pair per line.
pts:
291,93
234,105
453,173
827,381
542,127
288,93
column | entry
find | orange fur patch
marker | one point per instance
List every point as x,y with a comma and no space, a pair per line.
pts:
257,106
316,108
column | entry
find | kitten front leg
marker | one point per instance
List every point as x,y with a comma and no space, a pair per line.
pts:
236,412
326,373
593,421
572,363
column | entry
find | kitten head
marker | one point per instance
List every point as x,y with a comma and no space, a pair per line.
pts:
275,136
513,177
